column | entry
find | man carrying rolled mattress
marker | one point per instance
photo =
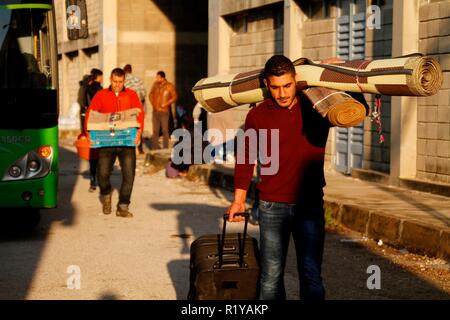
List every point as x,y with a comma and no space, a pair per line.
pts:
291,200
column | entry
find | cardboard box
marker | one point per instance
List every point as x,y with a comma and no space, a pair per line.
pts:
113,138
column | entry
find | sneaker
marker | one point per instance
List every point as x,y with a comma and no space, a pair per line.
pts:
106,203
122,211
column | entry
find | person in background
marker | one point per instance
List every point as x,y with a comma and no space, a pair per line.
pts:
135,83
113,99
82,100
181,169
94,86
162,95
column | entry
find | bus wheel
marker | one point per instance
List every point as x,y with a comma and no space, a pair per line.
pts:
16,222
32,218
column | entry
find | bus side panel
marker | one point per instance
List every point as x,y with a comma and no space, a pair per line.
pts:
44,191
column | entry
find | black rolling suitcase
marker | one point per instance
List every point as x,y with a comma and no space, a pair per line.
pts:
225,267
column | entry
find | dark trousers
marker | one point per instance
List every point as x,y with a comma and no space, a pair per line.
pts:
93,172
127,161
160,121
307,225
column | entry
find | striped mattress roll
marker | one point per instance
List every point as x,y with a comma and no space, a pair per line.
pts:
340,108
412,75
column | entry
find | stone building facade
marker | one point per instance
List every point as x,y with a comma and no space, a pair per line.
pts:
192,39
244,33
154,35
433,113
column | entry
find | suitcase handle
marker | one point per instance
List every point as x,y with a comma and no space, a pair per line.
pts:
246,215
225,256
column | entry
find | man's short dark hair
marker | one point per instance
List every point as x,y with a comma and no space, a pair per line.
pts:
162,74
86,79
128,68
278,65
95,73
188,122
118,72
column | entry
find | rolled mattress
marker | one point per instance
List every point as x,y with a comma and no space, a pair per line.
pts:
340,108
412,75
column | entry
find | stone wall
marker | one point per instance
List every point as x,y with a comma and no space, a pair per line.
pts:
319,39
249,50
319,42
231,7
165,35
77,57
433,127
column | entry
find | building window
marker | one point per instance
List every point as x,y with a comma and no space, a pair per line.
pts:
239,23
359,6
320,9
278,19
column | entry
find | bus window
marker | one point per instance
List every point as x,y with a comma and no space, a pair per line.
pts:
25,49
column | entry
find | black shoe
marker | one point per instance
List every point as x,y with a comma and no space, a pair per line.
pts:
92,188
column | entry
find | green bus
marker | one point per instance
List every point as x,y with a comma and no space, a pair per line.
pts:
29,106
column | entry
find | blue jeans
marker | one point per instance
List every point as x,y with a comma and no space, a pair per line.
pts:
307,226
127,161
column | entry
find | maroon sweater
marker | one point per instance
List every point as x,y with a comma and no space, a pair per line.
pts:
302,138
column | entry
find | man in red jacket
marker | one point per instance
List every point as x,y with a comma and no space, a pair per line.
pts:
291,197
114,99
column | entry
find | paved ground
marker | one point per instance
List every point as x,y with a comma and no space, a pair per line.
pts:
417,221
147,257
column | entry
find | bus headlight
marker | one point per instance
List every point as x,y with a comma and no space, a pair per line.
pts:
15,171
35,164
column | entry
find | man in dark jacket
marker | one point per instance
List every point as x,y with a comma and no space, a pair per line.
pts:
92,88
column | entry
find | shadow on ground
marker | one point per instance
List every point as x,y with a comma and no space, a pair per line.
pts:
20,247
345,267
194,220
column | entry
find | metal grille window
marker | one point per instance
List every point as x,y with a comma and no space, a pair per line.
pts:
350,46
